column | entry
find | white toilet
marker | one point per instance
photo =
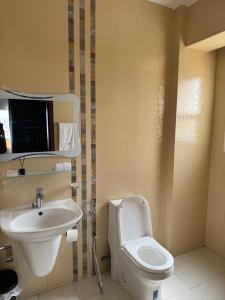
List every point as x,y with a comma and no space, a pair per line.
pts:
138,262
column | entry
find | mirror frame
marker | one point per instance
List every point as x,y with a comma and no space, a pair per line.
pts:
6,94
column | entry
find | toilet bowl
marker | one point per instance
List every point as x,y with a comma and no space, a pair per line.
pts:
138,261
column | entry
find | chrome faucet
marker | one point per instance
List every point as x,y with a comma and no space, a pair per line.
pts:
39,198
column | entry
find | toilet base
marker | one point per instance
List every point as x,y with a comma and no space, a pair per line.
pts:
153,292
139,286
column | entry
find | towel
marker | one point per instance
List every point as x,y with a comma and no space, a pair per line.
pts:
67,136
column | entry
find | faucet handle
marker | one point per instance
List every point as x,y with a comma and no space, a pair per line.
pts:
40,192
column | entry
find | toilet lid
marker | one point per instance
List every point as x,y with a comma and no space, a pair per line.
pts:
134,218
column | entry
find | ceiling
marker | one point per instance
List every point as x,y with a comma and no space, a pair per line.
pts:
174,3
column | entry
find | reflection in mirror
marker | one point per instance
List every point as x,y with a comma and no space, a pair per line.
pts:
42,125
36,126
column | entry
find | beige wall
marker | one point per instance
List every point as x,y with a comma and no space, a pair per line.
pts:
215,231
131,77
205,19
169,128
145,142
34,58
192,149
34,46
186,142
63,112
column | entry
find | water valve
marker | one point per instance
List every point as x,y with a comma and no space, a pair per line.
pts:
8,252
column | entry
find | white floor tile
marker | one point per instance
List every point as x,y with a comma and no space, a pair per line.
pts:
198,253
107,281
185,295
31,298
108,295
210,259
184,278
214,262
181,259
121,292
66,292
87,288
194,270
213,289
172,286
202,294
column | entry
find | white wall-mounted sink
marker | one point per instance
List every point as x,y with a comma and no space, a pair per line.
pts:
25,223
39,231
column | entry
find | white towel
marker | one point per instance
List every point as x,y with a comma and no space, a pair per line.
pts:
67,136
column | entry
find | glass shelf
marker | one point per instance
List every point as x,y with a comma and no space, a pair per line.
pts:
40,173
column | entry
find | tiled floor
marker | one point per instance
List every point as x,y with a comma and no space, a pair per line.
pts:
199,275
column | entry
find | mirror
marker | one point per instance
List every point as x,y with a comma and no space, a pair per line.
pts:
38,125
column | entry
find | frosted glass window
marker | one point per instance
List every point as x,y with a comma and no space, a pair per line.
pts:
189,97
189,108
4,119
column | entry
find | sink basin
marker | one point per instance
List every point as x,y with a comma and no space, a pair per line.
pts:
39,231
42,220
27,224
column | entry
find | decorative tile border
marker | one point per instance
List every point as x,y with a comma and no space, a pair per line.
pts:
93,113
88,134
71,35
71,46
83,132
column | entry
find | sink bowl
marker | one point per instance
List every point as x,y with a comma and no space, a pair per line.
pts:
39,231
42,220
34,225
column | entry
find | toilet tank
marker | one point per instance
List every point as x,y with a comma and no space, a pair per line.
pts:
113,232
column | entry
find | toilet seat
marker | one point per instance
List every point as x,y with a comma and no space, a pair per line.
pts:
149,255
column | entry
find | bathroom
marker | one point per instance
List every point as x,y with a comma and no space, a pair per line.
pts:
147,78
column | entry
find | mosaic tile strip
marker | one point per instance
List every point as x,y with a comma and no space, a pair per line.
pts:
83,132
71,46
83,98
93,113
71,35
